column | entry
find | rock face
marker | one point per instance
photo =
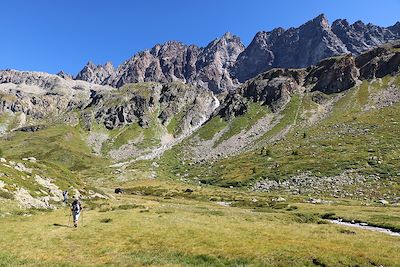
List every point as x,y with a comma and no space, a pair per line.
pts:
65,75
214,62
225,62
334,75
163,63
113,109
37,95
379,62
308,44
294,48
359,37
98,74
174,61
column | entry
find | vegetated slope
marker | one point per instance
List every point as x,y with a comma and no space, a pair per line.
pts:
330,130
37,166
73,130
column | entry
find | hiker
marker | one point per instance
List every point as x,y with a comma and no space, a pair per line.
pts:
76,209
65,196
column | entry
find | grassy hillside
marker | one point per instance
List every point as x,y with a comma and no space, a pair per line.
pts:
61,152
352,134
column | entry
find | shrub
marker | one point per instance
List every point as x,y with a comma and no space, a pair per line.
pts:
106,220
6,195
328,215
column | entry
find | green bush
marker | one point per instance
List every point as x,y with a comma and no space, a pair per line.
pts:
6,195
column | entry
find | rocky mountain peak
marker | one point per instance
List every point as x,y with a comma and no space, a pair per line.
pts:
395,28
359,25
98,74
215,60
228,37
294,47
109,66
320,20
229,45
340,23
225,62
64,75
90,65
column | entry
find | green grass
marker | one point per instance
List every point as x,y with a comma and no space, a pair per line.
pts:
362,93
145,137
185,231
212,127
288,117
128,133
61,152
397,81
254,112
174,126
383,83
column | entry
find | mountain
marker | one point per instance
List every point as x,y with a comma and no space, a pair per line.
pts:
359,37
293,48
225,63
99,74
173,61
159,129
308,44
171,111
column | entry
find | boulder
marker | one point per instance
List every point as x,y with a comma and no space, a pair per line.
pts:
119,191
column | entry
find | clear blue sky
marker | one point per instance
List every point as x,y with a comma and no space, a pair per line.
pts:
50,35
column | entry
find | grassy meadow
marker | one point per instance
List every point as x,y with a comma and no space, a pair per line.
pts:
160,224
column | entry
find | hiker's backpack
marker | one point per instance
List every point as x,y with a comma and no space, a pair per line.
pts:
76,206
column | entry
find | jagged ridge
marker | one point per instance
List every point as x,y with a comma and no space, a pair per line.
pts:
225,62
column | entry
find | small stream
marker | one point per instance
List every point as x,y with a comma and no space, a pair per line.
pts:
366,227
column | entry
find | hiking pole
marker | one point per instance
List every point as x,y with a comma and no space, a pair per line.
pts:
69,218
82,217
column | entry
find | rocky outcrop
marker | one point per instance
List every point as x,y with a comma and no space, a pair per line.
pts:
116,109
174,61
163,63
359,37
334,75
98,74
379,62
38,95
294,48
215,61
274,87
65,75
225,62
